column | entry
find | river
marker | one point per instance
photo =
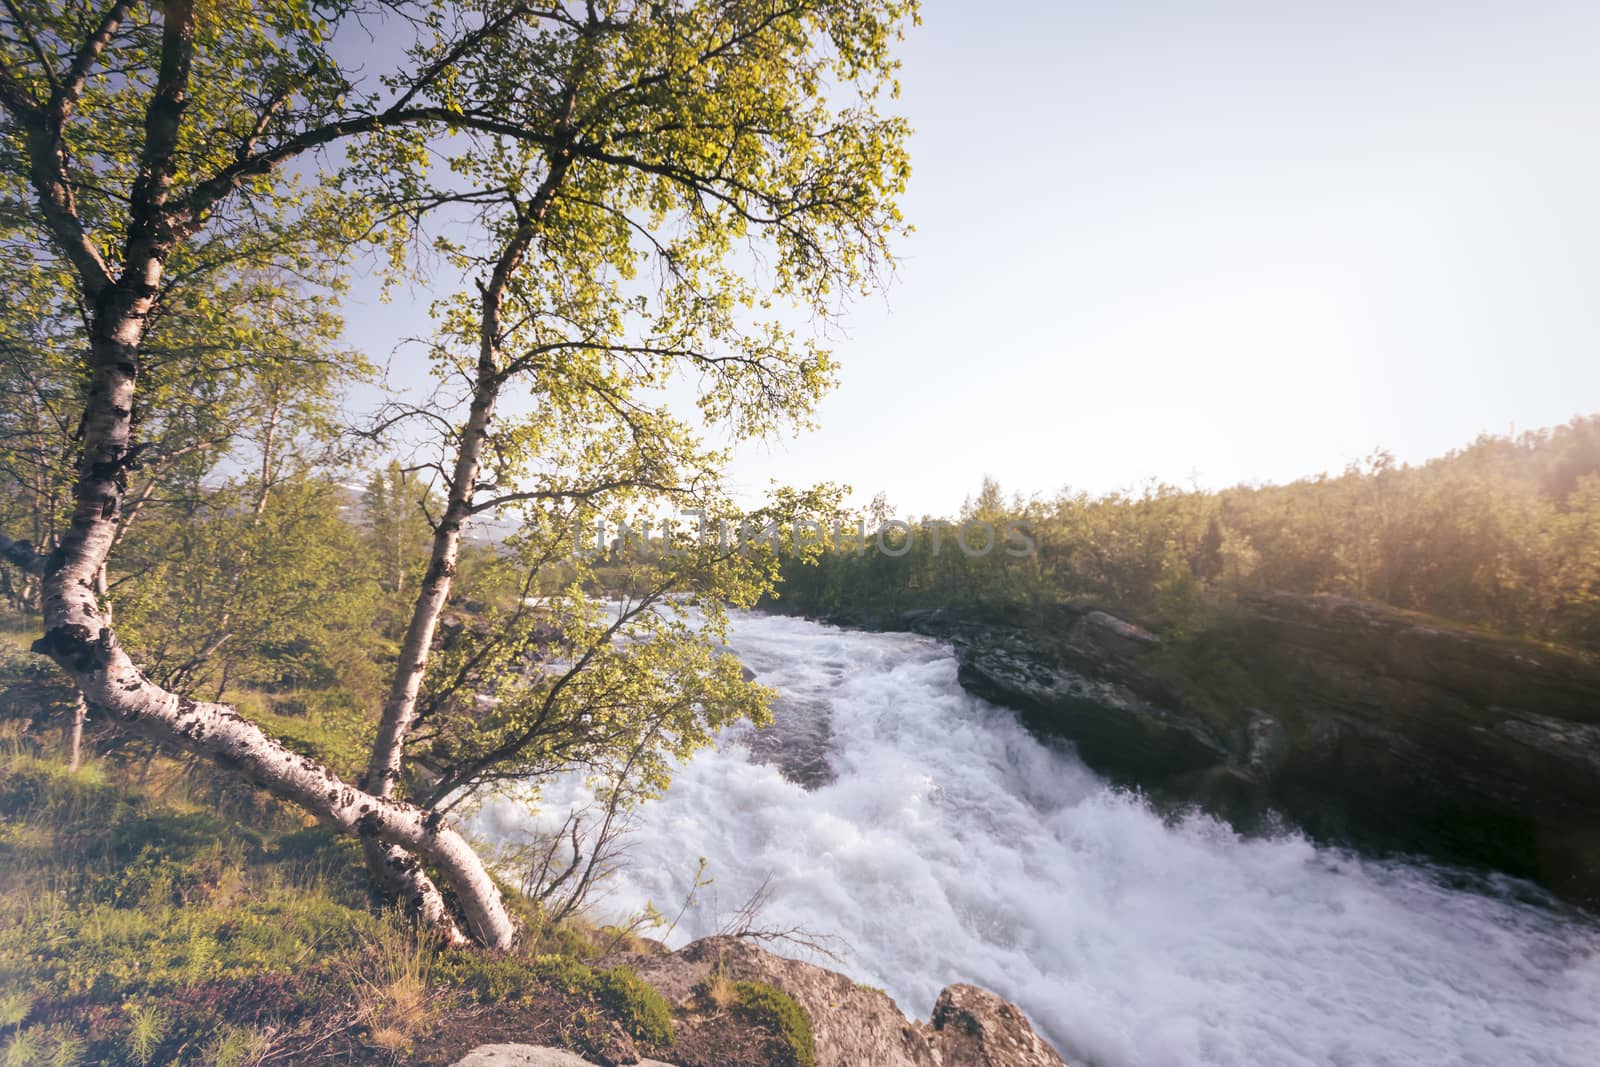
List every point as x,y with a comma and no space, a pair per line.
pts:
942,842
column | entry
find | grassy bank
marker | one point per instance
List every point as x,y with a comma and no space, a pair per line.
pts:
153,913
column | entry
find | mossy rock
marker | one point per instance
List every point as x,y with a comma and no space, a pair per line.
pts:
771,1006
644,1012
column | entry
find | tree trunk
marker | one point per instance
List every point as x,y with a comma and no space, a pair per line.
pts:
397,872
79,637
78,633
400,707
80,711
269,437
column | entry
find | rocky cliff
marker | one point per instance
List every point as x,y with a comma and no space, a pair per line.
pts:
1362,724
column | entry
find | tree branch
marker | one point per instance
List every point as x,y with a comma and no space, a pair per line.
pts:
68,92
576,494
32,41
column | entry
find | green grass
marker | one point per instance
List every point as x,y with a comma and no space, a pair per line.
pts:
643,1012
150,912
156,910
139,911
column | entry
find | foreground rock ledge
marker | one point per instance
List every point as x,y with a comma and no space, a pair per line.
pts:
853,1025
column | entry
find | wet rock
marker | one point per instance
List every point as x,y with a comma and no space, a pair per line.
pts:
798,741
972,1027
1264,748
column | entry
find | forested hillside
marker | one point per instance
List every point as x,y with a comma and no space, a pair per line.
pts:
1503,534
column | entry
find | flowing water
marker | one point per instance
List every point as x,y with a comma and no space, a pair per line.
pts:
943,843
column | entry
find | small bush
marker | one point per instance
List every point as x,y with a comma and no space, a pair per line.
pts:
65,1048
490,979
564,939
566,973
644,1012
147,1025
392,996
24,1049
236,1046
15,1004
767,1004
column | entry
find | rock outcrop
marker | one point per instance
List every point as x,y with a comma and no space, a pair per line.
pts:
1434,736
1363,724
1081,682
854,1025
851,1025
972,1027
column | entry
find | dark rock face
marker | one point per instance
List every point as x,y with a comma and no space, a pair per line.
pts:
1435,737
1365,725
1077,675
1116,730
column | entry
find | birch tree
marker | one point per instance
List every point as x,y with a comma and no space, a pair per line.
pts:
630,188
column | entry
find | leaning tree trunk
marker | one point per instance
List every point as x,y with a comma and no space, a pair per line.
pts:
80,638
400,709
396,871
79,634
80,711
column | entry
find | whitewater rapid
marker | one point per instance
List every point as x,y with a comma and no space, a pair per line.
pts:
943,843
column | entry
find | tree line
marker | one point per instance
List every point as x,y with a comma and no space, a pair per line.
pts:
1503,533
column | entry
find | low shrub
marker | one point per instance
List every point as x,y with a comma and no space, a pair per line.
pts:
641,1010
773,1007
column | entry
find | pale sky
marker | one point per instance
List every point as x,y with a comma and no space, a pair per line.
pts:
1215,242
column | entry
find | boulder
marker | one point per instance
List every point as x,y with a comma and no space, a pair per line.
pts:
972,1027
850,1024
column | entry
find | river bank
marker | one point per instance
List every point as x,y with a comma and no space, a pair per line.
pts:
1362,725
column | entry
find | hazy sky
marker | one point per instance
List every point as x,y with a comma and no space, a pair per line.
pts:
1216,242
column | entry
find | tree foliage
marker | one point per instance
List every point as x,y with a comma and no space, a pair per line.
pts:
641,197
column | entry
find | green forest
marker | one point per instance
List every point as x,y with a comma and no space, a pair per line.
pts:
1502,534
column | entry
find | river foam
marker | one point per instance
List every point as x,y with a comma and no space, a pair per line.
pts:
944,843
